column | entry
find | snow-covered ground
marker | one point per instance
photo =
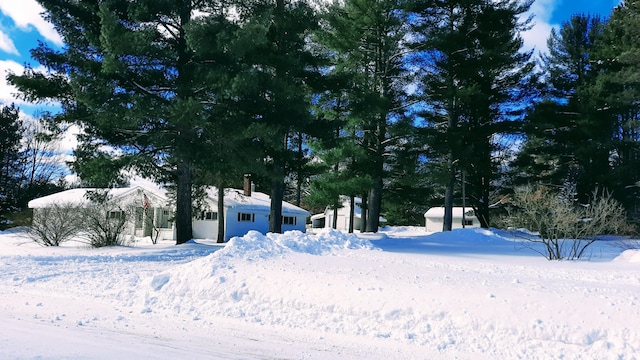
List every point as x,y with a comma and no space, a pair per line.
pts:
398,294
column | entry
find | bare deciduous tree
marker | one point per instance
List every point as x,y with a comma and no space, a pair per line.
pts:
42,155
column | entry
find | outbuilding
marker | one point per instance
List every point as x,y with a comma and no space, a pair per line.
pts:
325,219
462,218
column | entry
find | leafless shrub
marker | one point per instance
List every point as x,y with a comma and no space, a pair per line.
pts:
105,221
564,227
53,225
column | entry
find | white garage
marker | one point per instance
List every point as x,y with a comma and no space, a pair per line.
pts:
462,218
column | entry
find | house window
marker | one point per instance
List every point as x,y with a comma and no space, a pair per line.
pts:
115,215
208,215
246,217
288,220
164,219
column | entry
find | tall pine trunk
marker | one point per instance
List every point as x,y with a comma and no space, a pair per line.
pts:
483,205
352,204
184,210
220,214
375,199
447,224
299,172
452,124
275,213
375,194
184,216
364,206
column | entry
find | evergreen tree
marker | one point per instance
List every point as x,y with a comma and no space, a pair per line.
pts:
10,136
365,39
561,142
127,75
224,155
274,85
474,81
616,91
410,188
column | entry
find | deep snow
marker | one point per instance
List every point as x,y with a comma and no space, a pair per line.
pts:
398,294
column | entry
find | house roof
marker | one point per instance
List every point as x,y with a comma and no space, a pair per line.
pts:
257,202
318,216
78,196
438,212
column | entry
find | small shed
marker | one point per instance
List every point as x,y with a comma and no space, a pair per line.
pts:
325,220
434,219
244,210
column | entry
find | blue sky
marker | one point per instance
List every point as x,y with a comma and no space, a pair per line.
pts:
21,26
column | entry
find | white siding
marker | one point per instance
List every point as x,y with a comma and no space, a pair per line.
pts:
434,219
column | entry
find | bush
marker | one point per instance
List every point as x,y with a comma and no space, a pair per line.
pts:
54,225
105,221
565,228
100,221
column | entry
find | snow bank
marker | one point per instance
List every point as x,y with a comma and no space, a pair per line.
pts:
324,242
238,280
474,236
631,256
325,283
399,294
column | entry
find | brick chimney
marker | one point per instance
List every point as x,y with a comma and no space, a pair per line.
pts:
247,184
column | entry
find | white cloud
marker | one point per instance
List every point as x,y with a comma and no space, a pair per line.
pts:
536,38
7,92
69,141
543,9
27,14
7,45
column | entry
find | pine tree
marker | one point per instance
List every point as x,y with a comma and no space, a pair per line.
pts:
411,188
10,154
561,143
275,86
366,38
616,91
127,75
474,76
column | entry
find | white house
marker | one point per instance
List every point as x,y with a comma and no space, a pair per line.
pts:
325,220
244,210
434,219
152,215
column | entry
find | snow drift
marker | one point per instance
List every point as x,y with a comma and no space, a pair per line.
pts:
399,294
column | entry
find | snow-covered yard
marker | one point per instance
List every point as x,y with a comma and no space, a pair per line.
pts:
399,294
